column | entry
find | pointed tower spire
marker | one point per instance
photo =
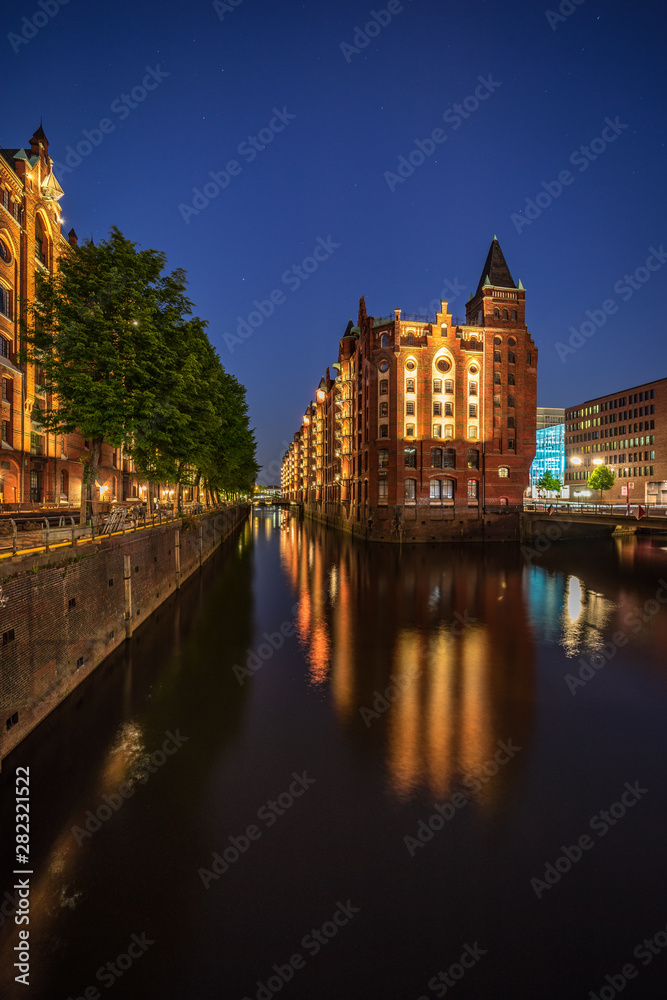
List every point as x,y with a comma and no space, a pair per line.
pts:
498,298
495,271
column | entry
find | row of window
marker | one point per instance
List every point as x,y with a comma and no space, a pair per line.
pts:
641,425
611,404
505,314
439,489
628,473
612,418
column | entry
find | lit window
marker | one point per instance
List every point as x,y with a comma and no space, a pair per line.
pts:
473,458
449,431
410,430
411,458
383,458
384,386
504,472
409,385
472,433
437,430
472,410
410,490
437,385
410,406
473,486
384,409
449,409
472,389
437,409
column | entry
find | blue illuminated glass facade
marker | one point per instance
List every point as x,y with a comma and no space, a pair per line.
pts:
549,453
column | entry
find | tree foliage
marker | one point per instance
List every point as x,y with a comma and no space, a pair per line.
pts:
601,478
130,365
547,483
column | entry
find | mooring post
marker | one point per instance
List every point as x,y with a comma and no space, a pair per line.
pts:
177,555
127,577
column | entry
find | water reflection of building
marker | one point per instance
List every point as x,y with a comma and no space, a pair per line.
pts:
443,637
581,596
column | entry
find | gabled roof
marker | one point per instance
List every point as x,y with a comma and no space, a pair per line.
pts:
495,271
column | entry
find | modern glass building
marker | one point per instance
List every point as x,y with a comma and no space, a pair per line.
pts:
549,454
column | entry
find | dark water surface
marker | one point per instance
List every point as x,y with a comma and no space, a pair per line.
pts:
404,681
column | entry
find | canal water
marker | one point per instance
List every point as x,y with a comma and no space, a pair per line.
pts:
330,770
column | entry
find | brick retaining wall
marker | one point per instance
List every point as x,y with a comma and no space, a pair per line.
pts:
419,523
62,614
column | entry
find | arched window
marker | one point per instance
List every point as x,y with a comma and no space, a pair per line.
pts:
496,313
410,491
514,314
504,472
449,458
5,302
506,315
411,339
473,458
473,488
40,241
383,340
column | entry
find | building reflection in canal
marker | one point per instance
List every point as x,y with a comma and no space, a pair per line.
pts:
431,654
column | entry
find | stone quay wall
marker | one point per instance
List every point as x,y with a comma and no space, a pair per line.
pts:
419,523
63,613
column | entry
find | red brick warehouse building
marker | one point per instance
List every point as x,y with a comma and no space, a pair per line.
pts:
426,421
36,466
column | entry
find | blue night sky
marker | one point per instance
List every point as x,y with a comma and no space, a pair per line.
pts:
323,176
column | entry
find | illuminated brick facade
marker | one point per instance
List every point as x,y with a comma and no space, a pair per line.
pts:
433,414
36,466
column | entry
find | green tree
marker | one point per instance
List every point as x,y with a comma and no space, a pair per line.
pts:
96,331
601,478
130,365
548,483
